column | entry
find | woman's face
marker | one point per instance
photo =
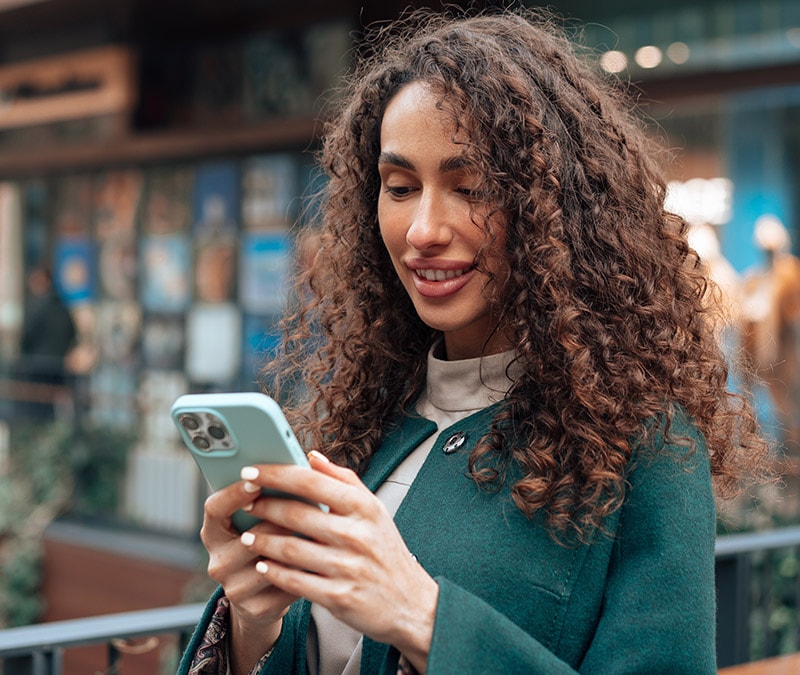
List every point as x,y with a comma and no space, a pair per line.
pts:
427,211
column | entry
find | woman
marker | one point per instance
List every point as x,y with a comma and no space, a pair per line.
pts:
519,405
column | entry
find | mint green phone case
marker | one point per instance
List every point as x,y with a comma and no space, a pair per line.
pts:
225,432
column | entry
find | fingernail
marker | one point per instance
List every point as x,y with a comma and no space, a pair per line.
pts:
261,567
248,507
247,538
247,486
249,473
318,455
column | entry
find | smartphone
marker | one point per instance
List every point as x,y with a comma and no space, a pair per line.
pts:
228,431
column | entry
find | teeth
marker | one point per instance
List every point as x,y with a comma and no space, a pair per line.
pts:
439,275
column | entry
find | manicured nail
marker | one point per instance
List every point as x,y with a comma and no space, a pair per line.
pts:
261,567
247,538
247,486
318,455
249,473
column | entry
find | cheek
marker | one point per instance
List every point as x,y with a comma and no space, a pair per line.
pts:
497,259
394,243
391,229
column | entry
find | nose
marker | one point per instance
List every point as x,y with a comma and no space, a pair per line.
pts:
430,225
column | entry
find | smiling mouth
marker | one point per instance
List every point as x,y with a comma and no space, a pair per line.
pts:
440,275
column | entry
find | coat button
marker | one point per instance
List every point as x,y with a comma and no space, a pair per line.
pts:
454,442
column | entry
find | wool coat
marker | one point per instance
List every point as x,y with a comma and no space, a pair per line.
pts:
638,598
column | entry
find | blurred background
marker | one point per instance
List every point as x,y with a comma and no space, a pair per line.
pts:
156,167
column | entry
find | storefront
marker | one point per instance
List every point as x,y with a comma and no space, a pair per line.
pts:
169,211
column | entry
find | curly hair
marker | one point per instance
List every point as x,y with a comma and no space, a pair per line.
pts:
604,300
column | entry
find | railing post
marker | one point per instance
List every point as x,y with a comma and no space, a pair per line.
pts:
18,665
733,609
39,662
113,659
54,661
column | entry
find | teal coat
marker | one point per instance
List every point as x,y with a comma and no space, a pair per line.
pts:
511,600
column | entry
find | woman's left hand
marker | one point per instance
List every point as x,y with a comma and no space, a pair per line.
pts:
351,560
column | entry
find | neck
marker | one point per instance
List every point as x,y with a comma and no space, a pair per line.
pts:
457,350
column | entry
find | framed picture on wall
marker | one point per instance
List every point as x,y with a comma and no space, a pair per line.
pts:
74,268
213,343
166,261
270,187
264,264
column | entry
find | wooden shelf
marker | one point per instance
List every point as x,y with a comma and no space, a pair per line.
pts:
108,73
154,147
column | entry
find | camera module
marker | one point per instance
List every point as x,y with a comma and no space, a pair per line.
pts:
190,422
201,443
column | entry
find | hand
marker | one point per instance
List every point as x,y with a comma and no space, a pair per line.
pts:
351,560
256,607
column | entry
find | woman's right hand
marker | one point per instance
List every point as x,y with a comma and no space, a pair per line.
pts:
256,607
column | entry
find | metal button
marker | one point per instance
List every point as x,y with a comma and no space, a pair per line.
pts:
454,442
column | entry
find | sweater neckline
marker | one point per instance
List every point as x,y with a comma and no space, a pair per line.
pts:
468,384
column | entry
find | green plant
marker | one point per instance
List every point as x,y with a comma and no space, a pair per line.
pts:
21,569
34,490
98,459
52,470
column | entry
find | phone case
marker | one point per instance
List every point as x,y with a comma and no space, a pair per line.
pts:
227,431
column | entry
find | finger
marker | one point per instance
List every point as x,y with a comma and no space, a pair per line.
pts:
330,592
233,565
227,557
293,581
229,562
291,517
291,551
221,505
321,463
337,487
253,594
356,533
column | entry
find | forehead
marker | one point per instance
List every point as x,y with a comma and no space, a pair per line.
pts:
418,117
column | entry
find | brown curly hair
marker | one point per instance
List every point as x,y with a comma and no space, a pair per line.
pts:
604,300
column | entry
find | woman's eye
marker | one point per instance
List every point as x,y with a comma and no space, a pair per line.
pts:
470,193
398,190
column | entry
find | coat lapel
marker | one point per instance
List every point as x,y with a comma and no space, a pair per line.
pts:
397,445
375,656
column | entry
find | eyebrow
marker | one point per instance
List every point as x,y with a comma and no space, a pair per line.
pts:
447,165
395,159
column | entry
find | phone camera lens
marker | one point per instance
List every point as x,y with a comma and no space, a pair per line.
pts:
216,432
190,422
201,443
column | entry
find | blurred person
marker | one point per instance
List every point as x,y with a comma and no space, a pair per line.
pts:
724,297
48,335
704,239
519,411
771,326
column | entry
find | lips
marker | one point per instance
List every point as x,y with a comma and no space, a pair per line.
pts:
440,280
439,275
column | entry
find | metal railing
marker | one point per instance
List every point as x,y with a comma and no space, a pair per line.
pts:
752,578
39,649
758,595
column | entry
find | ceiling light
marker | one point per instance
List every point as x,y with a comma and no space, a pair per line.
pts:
678,52
614,61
